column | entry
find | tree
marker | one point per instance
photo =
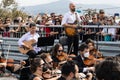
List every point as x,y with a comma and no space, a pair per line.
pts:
9,8
8,3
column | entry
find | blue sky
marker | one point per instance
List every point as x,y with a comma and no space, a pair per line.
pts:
36,2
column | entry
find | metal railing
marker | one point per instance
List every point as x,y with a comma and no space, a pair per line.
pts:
45,31
106,47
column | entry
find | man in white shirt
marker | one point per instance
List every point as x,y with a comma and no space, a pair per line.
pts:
68,22
29,36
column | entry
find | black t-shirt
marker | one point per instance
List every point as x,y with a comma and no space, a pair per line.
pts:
61,78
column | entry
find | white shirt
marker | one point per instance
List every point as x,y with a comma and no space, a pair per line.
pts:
110,31
70,18
27,37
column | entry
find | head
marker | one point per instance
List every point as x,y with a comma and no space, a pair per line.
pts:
101,13
30,18
68,69
46,72
110,21
57,21
84,50
108,69
32,28
46,57
37,65
72,7
58,49
90,43
52,15
7,20
94,19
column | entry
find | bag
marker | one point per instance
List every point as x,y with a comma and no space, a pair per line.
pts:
63,40
107,38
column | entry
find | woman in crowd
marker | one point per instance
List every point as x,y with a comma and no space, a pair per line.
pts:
46,57
58,54
36,69
93,51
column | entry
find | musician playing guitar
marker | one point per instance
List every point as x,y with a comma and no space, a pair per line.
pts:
27,43
70,22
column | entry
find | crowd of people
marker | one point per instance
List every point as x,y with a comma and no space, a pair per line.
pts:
80,62
98,18
58,65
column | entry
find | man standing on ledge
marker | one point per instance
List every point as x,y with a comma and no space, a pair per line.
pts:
70,22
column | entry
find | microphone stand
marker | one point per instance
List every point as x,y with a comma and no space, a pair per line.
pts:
97,37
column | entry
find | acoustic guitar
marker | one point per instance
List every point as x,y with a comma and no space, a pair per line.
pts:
30,43
71,31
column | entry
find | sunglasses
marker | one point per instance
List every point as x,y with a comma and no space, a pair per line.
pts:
50,62
93,18
47,72
60,50
7,20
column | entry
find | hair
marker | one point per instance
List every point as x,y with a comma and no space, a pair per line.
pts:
32,24
90,41
29,16
44,56
55,49
83,46
45,70
36,62
52,13
108,69
16,21
67,68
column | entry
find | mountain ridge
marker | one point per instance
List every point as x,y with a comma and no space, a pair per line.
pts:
62,6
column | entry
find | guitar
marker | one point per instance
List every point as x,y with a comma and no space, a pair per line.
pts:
71,31
30,43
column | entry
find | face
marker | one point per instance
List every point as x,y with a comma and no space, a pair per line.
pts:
94,19
8,20
47,74
60,50
33,29
85,53
39,69
49,61
109,22
91,46
102,14
72,7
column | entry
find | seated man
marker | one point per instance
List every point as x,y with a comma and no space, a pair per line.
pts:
27,43
83,54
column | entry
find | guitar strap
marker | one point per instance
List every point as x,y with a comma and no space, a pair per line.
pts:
77,20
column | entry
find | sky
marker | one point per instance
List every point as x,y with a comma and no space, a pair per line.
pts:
36,2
